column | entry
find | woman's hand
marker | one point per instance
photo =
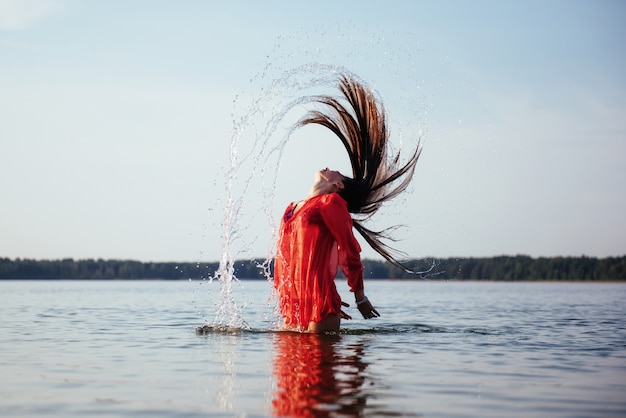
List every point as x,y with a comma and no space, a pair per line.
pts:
366,308
342,313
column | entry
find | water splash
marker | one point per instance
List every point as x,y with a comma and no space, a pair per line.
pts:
257,146
255,156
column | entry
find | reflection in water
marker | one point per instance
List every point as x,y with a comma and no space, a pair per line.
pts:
226,389
316,375
222,367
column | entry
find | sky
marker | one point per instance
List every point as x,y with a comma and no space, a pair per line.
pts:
128,129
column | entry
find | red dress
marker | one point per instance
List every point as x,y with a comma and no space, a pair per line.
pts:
312,244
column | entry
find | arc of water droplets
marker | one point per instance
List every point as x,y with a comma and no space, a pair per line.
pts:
288,91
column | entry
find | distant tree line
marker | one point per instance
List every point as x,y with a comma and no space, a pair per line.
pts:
503,268
520,268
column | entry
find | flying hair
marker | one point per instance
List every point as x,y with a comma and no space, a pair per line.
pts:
361,126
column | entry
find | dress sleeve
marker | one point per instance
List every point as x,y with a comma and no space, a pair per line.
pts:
335,214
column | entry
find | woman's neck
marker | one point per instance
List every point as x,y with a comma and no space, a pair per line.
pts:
321,187
311,194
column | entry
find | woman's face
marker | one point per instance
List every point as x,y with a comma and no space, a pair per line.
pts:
331,177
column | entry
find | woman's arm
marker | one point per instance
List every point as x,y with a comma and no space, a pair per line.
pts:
334,211
339,222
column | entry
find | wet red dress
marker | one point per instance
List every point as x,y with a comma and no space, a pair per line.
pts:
312,243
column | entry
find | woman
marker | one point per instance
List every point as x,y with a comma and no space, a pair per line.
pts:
315,235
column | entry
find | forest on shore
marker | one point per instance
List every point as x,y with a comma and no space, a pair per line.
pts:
500,268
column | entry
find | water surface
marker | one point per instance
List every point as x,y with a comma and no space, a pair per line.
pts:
439,349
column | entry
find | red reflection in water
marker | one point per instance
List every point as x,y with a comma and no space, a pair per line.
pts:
316,374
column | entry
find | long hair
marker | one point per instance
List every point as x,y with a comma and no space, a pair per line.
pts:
376,176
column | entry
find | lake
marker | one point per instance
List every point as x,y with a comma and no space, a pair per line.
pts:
439,349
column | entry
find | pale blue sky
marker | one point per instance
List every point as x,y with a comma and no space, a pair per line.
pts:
116,119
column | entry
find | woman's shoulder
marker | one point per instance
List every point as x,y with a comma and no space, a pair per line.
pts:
333,200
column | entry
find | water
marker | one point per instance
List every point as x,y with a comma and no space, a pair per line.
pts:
439,349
